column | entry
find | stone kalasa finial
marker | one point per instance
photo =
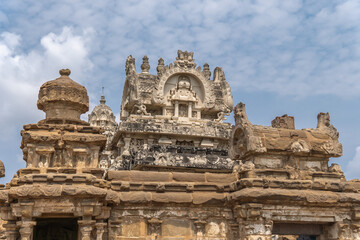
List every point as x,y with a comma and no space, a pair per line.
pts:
160,68
65,72
102,99
145,66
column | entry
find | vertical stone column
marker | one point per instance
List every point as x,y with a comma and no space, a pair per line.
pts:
26,229
200,229
355,228
100,229
85,226
154,228
190,110
114,228
252,224
11,230
176,110
256,230
234,231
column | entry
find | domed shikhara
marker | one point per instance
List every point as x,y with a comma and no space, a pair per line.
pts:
63,100
62,140
103,116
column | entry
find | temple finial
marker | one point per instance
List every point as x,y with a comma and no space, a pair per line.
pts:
102,99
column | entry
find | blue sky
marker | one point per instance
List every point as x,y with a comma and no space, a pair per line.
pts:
294,57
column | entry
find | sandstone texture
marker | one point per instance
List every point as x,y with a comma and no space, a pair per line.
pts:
172,169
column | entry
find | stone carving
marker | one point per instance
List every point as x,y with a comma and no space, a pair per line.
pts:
240,114
300,146
51,143
335,168
145,66
206,71
324,124
284,121
63,93
161,67
154,228
219,75
185,59
179,100
221,116
163,174
141,109
130,65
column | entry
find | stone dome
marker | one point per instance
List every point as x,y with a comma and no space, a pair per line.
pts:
102,116
63,100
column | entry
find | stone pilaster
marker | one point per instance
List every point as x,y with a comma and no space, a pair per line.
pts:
100,229
114,228
200,229
11,230
26,229
256,230
86,226
355,228
234,231
154,228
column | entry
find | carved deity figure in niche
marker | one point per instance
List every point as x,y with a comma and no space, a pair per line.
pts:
183,90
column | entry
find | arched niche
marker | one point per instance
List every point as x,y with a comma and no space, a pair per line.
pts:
238,143
196,86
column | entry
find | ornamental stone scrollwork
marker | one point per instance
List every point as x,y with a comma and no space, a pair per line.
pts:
141,109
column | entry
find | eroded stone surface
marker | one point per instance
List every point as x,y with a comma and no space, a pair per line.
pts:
165,173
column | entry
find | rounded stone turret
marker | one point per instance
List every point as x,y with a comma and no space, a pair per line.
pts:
63,100
103,116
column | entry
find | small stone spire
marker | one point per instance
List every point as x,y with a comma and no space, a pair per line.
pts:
102,99
206,71
160,68
145,66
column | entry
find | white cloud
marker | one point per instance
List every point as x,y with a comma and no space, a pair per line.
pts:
22,73
353,166
293,48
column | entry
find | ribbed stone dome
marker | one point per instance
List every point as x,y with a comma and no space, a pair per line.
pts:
63,100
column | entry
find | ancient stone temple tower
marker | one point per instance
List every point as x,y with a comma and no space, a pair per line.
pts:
173,169
173,119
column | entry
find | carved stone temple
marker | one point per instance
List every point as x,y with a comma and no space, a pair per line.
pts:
172,168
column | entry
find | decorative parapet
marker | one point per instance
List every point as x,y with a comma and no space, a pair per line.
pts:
172,127
282,146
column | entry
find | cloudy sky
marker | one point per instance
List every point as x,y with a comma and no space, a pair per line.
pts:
294,57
